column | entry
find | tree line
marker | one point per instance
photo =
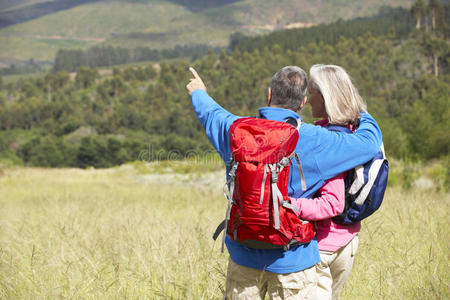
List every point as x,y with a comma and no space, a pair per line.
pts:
397,22
144,112
103,56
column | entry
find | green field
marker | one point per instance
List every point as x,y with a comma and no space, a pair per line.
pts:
144,232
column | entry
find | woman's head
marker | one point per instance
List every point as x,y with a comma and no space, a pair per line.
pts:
333,95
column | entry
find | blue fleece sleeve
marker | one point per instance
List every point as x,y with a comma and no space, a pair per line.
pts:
216,121
339,151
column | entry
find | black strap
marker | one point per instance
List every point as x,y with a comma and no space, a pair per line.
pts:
292,121
339,128
219,230
343,128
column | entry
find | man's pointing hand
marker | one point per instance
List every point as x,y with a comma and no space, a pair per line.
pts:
195,83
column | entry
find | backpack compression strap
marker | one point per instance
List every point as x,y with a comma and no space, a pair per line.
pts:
266,170
300,171
285,161
230,183
297,123
277,197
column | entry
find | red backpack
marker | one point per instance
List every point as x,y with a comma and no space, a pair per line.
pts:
259,213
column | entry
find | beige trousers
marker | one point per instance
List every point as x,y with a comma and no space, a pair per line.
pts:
334,269
248,283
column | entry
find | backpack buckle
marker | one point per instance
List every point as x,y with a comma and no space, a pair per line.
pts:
273,170
233,169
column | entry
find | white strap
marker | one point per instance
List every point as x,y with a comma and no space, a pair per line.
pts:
290,206
266,170
373,172
358,180
382,150
299,123
276,214
300,171
275,194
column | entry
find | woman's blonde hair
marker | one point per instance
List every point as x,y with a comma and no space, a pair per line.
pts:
343,103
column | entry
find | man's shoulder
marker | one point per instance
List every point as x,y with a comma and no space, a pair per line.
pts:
310,129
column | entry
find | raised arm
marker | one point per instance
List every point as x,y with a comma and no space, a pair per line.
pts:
214,118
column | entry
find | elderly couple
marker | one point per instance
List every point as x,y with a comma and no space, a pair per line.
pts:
318,269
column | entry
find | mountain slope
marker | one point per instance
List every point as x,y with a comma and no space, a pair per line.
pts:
200,5
33,11
163,24
14,4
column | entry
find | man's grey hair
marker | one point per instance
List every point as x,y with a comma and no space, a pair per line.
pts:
288,87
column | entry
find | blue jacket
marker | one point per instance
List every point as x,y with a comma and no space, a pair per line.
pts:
323,154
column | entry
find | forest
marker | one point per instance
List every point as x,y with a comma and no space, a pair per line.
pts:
103,56
401,69
397,21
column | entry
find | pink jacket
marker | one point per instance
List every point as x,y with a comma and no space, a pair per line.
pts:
330,201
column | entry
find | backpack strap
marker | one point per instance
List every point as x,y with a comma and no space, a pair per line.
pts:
360,183
276,195
294,122
358,180
286,160
339,128
266,170
289,205
372,175
382,150
219,230
230,183
297,123
231,177
300,171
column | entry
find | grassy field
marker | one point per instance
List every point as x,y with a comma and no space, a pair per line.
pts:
144,232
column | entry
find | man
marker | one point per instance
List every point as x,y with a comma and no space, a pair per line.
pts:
323,154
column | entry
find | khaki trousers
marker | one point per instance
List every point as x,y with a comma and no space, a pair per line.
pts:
334,269
248,283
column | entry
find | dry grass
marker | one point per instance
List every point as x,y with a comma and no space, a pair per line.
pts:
118,233
404,249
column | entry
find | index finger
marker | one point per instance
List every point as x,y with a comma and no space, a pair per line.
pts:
194,73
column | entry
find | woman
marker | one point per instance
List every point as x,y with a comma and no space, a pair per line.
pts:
335,99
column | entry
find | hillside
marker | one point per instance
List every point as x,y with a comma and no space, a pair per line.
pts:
163,23
29,11
144,112
15,4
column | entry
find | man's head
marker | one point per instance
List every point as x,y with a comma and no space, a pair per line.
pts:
288,88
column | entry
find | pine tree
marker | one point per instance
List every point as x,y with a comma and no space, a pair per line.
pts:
418,11
433,7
